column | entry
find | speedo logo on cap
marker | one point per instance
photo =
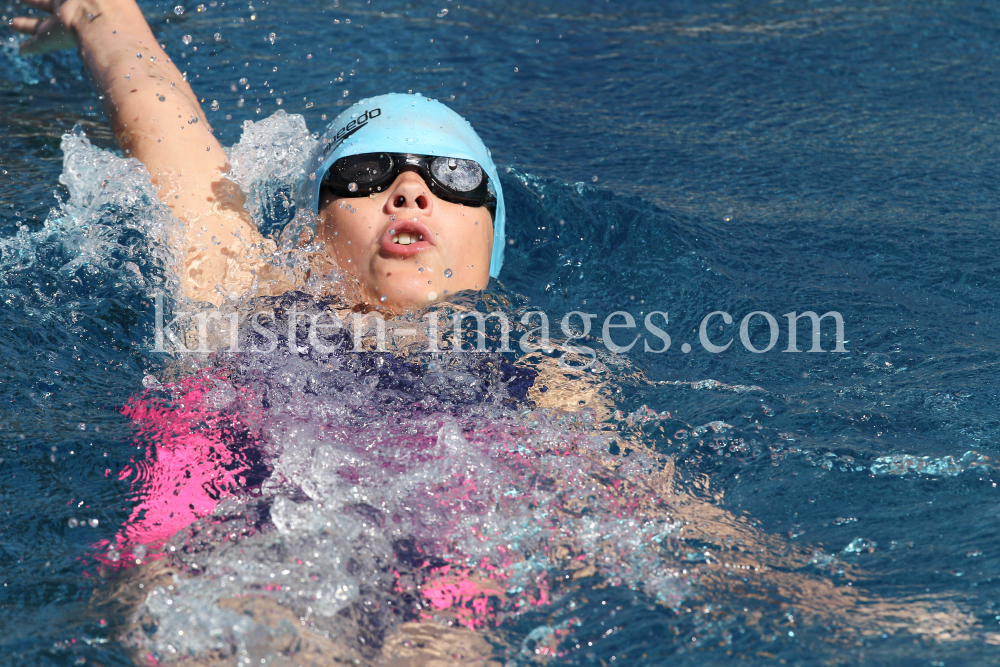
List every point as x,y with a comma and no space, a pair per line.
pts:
355,125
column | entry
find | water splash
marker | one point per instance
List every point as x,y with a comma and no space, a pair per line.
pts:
267,163
392,491
112,238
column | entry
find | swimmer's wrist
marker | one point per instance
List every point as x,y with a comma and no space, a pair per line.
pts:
84,16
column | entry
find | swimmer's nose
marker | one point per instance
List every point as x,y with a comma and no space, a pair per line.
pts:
409,192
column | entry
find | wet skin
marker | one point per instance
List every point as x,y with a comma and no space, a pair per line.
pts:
450,247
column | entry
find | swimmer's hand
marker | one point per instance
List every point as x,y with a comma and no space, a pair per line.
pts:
157,119
51,33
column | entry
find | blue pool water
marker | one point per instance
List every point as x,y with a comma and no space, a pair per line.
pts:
701,156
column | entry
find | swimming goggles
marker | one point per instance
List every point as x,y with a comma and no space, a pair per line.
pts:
452,179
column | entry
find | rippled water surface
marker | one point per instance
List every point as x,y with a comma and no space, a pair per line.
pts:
674,156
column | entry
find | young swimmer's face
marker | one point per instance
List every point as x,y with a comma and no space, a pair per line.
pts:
406,244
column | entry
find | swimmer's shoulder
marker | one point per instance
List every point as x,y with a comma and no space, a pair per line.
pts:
559,388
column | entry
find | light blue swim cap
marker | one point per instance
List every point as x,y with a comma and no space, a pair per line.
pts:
398,123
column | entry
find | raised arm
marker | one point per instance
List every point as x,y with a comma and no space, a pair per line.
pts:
156,118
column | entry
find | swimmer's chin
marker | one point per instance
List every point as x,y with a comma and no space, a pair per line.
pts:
393,297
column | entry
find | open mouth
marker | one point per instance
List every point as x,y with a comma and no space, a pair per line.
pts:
406,237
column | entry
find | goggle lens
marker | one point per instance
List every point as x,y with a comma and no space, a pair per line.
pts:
457,174
364,169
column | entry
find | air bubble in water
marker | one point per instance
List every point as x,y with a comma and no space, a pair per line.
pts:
72,523
179,9
113,556
353,187
94,523
187,39
150,381
279,101
272,37
243,81
217,36
443,13
447,273
215,240
215,105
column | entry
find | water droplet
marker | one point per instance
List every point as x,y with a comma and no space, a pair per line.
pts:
442,13
392,217
72,523
217,36
272,37
138,55
215,105
215,240
279,101
94,523
411,141
113,556
420,270
162,98
384,297
515,69
243,81
431,296
179,9
447,273
346,92
187,39
392,232
353,187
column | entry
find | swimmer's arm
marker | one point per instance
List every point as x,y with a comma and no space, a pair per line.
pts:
156,118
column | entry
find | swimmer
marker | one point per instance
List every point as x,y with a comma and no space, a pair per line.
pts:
388,208
407,197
